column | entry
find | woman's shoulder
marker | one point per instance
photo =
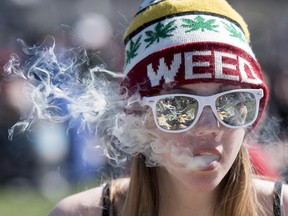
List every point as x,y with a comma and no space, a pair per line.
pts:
266,191
89,202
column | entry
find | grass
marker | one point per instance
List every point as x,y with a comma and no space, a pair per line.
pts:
29,201
22,202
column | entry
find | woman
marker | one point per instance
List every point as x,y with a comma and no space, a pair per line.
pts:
202,93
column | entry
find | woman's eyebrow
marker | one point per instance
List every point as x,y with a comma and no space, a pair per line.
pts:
181,90
226,87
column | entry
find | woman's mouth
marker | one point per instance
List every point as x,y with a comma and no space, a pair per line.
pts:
197,159
207,161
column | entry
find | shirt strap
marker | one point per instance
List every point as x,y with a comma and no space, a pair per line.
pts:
278,198
106,200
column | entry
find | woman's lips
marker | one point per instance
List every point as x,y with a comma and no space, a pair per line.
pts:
207,159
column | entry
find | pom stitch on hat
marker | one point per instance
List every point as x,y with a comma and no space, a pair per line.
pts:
177,42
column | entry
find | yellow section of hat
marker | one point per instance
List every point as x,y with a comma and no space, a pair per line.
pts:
169,7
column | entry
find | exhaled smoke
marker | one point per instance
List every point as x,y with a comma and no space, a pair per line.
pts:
63,87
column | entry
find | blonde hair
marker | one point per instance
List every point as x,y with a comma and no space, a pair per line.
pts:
235,195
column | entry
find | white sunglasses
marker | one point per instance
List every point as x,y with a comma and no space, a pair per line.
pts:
177,113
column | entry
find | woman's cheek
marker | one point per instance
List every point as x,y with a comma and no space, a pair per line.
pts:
232,141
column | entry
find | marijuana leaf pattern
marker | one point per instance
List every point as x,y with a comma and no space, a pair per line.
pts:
160,31
132,51
200,23
233,31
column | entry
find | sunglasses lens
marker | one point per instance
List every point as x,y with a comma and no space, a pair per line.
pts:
176,112
237,108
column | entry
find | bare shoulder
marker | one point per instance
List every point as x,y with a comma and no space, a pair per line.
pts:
85,203
265,190
89,202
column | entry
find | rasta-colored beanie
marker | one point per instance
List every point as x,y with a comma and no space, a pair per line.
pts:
176,42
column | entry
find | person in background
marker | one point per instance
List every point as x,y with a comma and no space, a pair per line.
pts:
201,93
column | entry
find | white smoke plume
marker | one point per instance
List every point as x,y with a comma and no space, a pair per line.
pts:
63,88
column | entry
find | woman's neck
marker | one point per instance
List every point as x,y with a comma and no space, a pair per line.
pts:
178,199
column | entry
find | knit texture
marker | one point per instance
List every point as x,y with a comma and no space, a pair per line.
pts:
176,42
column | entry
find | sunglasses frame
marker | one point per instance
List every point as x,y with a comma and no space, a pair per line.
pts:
203,101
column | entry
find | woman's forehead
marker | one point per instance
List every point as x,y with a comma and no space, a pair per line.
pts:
201,88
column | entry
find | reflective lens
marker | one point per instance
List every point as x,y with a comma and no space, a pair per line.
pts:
237,108
176,112
179,112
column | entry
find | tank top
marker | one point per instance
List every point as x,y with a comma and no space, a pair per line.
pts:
277,199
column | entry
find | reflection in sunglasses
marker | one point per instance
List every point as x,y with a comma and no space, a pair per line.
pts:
176,112
232,108
179,112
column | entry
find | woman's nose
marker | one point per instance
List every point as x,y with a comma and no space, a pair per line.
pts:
207,123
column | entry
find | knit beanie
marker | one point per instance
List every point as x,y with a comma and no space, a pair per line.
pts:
171,43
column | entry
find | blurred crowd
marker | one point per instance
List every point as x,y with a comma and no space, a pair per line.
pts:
53,159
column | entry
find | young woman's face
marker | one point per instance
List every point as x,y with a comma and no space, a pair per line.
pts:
201,156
